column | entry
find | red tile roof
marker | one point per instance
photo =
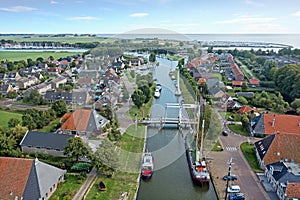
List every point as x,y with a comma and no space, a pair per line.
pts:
78,120
282,123
14,173
238,83
254,81
283,146
293,190
245,109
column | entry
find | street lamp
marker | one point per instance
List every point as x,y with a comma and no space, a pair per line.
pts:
227,180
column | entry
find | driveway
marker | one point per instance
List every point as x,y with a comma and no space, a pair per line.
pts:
247,179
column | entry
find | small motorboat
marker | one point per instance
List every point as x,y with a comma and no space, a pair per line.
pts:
101,186
147,166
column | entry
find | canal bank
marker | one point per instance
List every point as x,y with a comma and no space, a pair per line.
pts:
171,178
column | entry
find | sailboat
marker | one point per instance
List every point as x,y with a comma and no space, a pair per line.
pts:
196,161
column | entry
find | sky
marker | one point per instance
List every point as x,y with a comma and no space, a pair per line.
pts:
121,16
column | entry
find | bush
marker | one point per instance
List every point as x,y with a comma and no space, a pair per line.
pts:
80,167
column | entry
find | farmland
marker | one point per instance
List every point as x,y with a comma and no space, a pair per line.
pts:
23,55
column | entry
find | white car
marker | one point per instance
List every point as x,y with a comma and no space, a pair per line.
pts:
157,93
233,189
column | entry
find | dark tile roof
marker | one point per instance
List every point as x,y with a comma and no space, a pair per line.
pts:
263,145
279,169
55,96
45,140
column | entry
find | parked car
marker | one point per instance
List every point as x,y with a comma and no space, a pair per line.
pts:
232,177
225,133
234,189
236,196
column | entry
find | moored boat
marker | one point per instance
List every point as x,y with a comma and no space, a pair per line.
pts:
197,165
147,166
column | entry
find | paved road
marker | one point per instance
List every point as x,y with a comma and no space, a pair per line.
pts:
247,179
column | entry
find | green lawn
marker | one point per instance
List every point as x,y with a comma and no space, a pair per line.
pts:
23,55
239,129
6,116
143,112
69,188
217,147
119,183
131,145
249,153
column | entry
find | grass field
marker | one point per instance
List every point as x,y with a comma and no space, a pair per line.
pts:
6,116
67,39
69,188
239,129
249,153
23,55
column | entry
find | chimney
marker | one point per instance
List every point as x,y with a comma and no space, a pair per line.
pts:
273,122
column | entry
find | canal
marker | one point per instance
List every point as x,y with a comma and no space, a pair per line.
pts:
171,178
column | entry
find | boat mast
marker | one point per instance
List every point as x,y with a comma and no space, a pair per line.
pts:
197,133
201,144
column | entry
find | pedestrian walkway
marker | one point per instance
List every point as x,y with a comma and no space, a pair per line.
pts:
231,149
91,177
122,111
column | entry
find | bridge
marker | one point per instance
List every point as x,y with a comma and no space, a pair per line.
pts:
166,121
180,120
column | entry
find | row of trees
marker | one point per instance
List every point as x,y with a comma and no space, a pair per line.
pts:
33,118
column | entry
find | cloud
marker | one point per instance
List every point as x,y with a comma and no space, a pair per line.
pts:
139,14
253,3
84,18
297,14
247,20
53,2
18,9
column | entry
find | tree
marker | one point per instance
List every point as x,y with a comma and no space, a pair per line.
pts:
34,97
152,57
244,87
13,122
17,132
146,92
28,121
287,79
60,107
138,98
77,149
105,157
296,105
242,100
12,94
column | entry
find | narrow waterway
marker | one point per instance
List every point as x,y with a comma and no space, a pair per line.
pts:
171,178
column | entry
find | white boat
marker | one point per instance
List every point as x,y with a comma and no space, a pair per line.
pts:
147,166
